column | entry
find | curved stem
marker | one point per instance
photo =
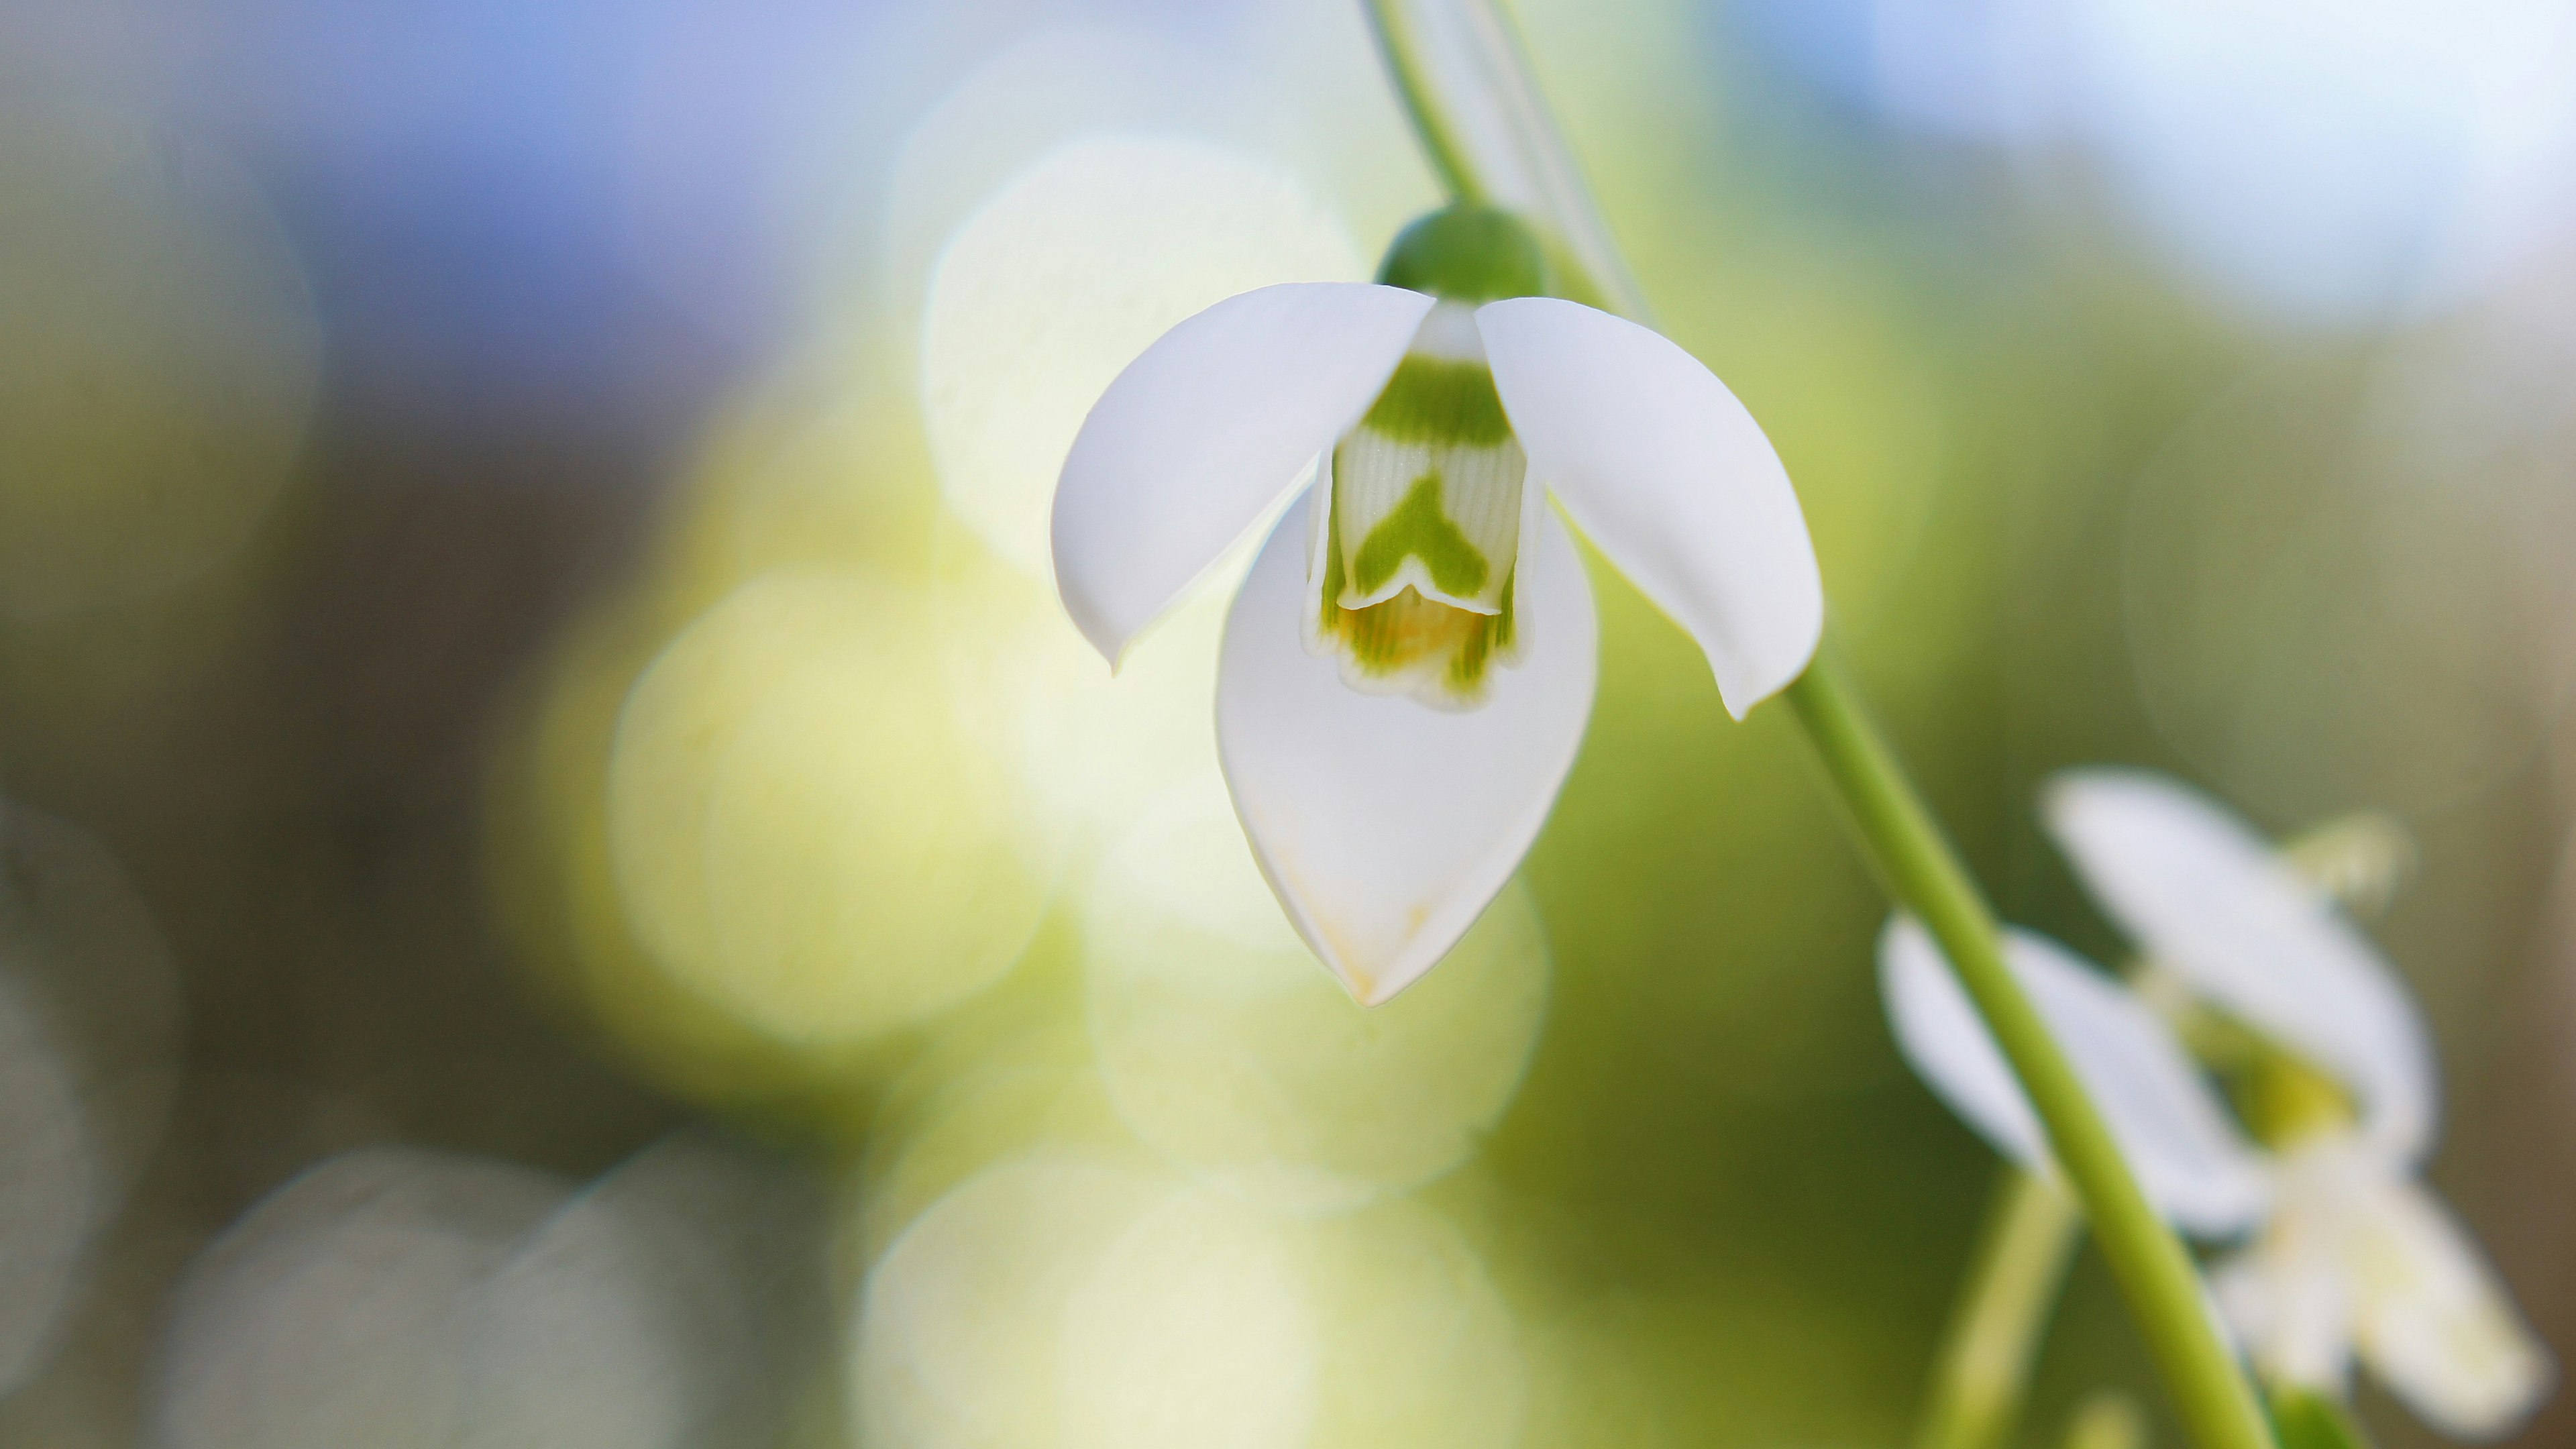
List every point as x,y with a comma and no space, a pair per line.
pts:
1464,75
1399,46
2161,1283
1912,856
1983,1371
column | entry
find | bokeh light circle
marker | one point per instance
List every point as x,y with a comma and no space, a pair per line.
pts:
48,1186
77,933
802,828
960,1336
163,357
1072,268
654,1308
1228,1048
1192,1330
340,1310
1057,1300
980,1095
1419,1348
1092,749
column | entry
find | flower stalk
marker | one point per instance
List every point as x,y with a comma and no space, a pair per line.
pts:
1912,856
1400,41
1984,1367
1981,1372
1925,875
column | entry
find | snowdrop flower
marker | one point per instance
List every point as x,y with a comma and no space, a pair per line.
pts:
1407,672
2191,1160
2355,1256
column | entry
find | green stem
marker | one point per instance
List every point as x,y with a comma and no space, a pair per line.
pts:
1984,1368
1401,48
1519,157
1982,1372
1912,856
1984,1362
2107,1420
1926,877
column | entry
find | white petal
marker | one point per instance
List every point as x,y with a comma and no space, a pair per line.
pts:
2237,1287
1668,473
1204,432
2288,1309
2206,897
1384,826
2194,1166
2433,1322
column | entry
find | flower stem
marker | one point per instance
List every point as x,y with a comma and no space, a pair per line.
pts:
1398,42
1464,75
1985,1361
1983,1369
1896,830
1926,877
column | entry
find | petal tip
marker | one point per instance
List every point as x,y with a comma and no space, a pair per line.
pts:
1742,694
1105,640
2072,788
1371,983
1671,477
1202,433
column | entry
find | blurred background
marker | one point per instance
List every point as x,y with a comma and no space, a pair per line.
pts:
563,880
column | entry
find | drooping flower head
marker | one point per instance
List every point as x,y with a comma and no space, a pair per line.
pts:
2349,1254
1421,507
1409,667
2192,1161
2357,1257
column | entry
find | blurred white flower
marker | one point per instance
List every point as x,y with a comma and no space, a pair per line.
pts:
2191,1160
1426,408
2351,1253
2355,1256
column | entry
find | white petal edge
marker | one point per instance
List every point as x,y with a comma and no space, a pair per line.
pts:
1204,432
2286,1306
2202,894
2433,1323
1663,469
1385,826
2193,1165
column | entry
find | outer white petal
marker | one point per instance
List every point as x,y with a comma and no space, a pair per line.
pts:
1669,474
2206,897
2288,1308
1385,826
2193,1165
2432,1321
2242,1293
1207,429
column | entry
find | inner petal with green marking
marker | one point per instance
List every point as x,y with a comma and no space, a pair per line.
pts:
1423,506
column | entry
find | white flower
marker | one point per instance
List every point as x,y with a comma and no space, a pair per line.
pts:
2350,1253
2356,1256
2191,1160
1407,672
